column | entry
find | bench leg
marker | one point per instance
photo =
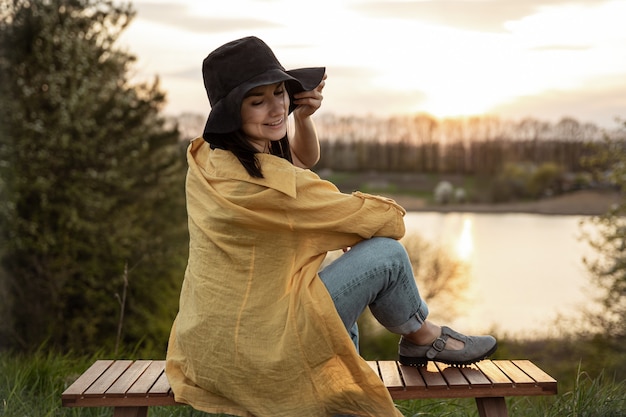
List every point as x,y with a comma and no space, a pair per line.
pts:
130,412
492,407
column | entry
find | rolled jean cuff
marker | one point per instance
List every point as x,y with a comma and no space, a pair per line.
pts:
413,324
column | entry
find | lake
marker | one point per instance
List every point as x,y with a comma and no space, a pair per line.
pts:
526,270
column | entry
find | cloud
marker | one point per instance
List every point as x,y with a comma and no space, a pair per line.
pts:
349,72
554,48
189,73
479,15
597,101
349,91
175,15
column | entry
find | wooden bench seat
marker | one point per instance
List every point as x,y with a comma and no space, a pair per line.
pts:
133,386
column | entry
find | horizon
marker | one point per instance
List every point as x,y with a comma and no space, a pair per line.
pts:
541,59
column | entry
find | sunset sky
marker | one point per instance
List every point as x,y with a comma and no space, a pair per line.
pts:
513,58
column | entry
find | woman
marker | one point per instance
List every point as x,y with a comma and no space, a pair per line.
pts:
259,331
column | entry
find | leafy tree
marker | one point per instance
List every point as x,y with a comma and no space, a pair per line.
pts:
441,276
91,182
609,268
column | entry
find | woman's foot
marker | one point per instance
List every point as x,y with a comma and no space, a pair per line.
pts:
449,347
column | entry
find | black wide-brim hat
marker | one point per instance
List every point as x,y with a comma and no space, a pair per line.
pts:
235,68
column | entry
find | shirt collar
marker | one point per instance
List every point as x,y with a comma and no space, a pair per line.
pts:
278,173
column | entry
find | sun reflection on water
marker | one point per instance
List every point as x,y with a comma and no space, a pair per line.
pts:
465,243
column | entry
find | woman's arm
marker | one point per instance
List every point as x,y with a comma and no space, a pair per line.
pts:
305,147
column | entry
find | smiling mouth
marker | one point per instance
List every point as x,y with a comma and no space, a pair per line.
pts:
276,123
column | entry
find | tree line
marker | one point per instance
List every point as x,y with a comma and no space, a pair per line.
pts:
481,145
474,158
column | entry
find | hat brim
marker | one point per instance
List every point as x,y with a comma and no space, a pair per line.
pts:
225,115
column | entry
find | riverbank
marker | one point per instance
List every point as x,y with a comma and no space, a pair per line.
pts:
414,193
583,202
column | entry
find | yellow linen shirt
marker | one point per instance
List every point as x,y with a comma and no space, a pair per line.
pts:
257,333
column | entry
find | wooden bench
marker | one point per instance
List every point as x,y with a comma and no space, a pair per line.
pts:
133,386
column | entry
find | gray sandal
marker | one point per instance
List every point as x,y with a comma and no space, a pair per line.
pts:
476,348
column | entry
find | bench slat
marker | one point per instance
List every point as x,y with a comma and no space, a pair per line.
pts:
147,379
542,379
518,376
161,387
127,379
453,376
495,374
412,378
102,384
86,379
374,366
432,377
476,378
390,375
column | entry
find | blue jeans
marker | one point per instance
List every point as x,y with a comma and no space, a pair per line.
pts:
375,273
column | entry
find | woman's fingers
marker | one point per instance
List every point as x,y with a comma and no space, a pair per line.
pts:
309,101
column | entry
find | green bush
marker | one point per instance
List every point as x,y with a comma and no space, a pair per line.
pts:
526,181
510,184
545,180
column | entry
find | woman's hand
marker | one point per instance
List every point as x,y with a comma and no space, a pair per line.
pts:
309,101
305,147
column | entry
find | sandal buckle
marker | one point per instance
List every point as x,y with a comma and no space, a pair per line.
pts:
439,344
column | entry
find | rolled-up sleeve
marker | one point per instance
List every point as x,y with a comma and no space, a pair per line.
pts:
335,219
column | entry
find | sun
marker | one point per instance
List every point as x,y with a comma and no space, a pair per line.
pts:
450,89
455,105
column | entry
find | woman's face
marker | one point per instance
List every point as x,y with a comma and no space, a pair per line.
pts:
264,113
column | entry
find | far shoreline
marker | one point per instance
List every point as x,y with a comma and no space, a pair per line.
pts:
576,203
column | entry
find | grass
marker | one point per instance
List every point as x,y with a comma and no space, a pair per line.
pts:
31,385
599,397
